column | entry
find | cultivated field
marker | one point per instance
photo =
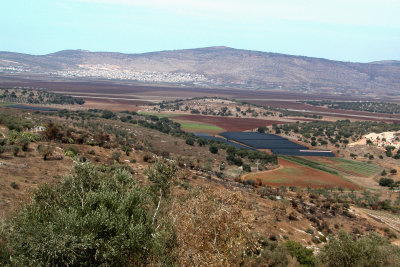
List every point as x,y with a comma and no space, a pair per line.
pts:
294,174
198,127
348,167
227,123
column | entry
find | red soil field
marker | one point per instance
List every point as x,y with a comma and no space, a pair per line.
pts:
293,174
229,124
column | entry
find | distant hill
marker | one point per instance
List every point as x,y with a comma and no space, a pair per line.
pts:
216,66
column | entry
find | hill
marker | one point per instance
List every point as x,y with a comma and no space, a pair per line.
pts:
214,66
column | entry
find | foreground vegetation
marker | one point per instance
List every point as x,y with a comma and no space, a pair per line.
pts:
97,216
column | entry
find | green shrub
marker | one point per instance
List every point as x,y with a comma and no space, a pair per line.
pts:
106,114
71,152
386,181
93,218
116,156
213,149
303,255
189,141
246,168
346,251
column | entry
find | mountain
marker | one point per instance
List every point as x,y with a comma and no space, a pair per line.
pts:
215,66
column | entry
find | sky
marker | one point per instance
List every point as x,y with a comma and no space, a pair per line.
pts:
346,30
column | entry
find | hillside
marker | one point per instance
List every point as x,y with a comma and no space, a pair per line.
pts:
129,188
214,66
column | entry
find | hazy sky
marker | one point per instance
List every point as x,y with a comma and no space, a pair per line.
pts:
348,30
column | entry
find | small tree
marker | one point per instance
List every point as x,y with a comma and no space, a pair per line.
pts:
213,149
386,181
262,129
189,141
116,156
246,168
45,151
106,114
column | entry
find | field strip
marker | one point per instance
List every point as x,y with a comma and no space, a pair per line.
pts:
342,114
104,94
115,98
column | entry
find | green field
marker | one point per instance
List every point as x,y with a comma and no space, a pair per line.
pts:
362,168
198,127
4,104
341,166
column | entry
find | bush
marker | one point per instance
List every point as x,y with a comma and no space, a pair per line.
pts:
91,219
246,168
386,181
14,185
116,156
372,250
189,141
71,152
148,158
213,149
238,161
106,114
46,151
303,255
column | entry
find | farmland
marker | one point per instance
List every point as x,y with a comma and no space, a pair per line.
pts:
349,166
275,143
191,126
229,124
294,174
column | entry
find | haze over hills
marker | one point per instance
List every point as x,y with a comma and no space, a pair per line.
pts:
214,66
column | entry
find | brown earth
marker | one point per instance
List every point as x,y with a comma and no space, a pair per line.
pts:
112,104
229,124
135,88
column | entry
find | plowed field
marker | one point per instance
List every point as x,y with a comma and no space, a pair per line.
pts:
229,124
293,174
